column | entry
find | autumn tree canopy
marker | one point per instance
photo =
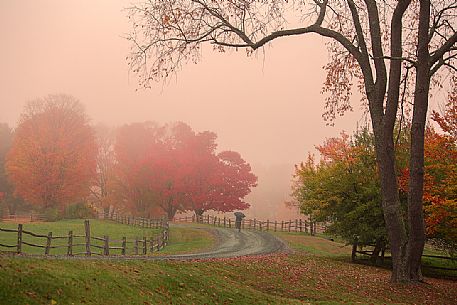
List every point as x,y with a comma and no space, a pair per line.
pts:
343,188
170,168
53,156
393,51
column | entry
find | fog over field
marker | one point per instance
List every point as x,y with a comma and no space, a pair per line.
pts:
268,106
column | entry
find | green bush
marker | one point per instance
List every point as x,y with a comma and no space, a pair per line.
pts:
79,210
52,214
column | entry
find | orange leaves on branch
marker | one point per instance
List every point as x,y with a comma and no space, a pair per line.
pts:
52,159
448,119
337,149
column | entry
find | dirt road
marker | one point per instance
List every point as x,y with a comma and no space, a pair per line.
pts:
231,243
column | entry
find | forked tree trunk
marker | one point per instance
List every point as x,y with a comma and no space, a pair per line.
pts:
416,224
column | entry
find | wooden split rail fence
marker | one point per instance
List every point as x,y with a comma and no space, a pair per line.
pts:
382,257
297,225
138,221
141,246
29,217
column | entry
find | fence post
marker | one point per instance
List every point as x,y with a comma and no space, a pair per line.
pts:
70,243
87,231
207,216
164,239
106,245
151,244
282,225
276,225
296,225
354,250
224,221
145,246
48,244
158,243
290,222
260,225
135,247
124,245
301,226
230,223
255,223
19,238
218,221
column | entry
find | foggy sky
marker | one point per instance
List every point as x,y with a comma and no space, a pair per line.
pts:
268,107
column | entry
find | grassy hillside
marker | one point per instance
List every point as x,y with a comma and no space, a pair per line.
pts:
317,273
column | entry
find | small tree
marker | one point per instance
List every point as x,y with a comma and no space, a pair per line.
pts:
343,189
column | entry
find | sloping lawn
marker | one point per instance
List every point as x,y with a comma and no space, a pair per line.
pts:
318,272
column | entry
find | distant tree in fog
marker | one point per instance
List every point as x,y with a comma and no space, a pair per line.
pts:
165,169
52,160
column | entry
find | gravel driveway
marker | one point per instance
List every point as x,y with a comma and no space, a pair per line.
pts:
231,243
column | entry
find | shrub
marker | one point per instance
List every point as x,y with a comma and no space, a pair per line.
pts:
79,210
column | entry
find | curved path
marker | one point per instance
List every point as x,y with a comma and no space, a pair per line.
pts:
231,243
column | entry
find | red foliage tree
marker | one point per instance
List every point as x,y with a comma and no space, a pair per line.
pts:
440,191
236,180
52,158
165,169
138,147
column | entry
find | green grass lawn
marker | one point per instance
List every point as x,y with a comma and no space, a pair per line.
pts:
318,272
99,228
188,239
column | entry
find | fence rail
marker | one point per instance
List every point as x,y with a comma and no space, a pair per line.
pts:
137,221
29,217
297,225
356,251
141,246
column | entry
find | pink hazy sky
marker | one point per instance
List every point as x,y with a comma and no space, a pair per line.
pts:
268,107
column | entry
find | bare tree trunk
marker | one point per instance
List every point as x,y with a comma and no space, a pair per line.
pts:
171,211
391,202
416,224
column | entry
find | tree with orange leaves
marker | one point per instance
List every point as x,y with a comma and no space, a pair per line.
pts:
448,119
440,188
53,156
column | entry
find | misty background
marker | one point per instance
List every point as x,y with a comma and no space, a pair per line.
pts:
267,107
